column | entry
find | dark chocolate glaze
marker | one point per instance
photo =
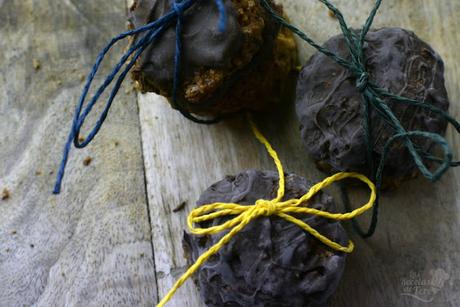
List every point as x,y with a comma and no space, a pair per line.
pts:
330,107
203,44
270,262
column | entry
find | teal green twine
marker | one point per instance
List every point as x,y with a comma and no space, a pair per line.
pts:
151,32
373,97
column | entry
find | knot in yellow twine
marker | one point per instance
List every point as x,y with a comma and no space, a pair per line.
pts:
243,215
266,207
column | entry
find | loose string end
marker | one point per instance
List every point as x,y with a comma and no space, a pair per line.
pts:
63,164
58,183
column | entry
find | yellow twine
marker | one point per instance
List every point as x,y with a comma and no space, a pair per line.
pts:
276,207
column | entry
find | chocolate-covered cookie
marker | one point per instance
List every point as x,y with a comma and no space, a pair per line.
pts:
330,107
270,262
242,68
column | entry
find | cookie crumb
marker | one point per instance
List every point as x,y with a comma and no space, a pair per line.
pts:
180,207
14,232
6,194
87,161
331,14
137,86
116,143
82,77
81,139
38,173
36,64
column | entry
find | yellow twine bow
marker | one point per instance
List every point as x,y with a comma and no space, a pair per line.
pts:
276,207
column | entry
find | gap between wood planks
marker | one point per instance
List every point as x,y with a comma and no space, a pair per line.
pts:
129,3
147,202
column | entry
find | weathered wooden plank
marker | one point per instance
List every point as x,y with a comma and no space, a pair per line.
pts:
419,222
91,245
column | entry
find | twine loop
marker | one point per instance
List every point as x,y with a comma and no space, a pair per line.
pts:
146,35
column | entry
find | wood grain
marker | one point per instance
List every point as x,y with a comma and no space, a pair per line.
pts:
91,245
419,222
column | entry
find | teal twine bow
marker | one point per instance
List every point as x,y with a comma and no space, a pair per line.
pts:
373,97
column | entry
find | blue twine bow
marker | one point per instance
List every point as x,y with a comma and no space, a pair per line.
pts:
373,96
152,32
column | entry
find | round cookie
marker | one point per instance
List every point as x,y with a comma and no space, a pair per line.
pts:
243,68
270,262
330,108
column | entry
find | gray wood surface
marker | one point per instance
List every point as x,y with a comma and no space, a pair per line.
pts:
418,233
91,245
106,240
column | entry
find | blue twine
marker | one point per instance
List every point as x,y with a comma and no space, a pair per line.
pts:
152,31
373,96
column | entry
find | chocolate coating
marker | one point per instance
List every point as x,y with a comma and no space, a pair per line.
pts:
330,107
203,43
270,262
